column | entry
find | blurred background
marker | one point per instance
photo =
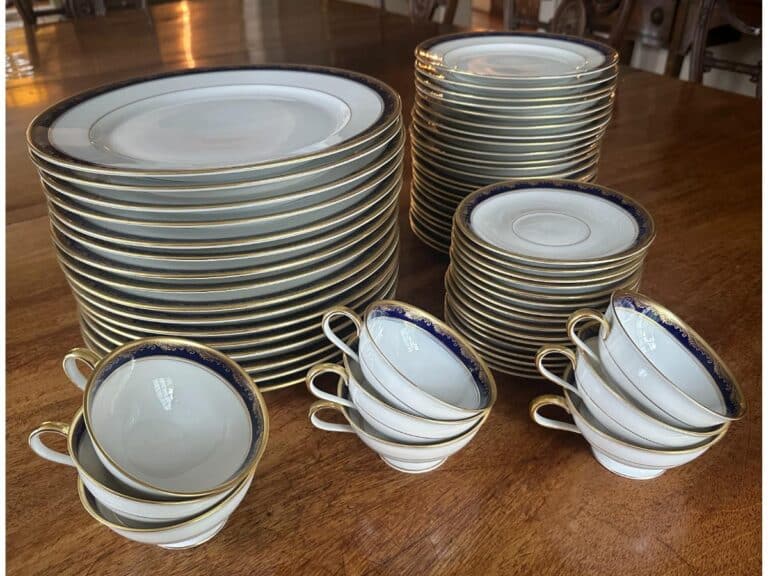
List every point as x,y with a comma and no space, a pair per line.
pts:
719,37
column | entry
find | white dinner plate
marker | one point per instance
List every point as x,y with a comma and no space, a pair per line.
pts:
258,195
198,123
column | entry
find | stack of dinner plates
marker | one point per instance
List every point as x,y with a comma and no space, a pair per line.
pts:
228,206
525,254
493,106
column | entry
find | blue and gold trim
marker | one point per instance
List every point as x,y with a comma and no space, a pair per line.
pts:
40,144
645,224
482,377
215,361
733,398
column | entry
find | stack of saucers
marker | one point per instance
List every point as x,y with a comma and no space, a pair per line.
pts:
166,443
229,206
412,389
645,390
525,254
493,106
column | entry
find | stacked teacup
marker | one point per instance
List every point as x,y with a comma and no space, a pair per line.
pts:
643,388
167,441
413,390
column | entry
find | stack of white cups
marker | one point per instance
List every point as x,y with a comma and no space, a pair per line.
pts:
643,388
167,441
413,391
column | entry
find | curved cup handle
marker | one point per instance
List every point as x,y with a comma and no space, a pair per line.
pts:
587,314
545,351
345,312
318,422
554,400
72,370
39,447
327,368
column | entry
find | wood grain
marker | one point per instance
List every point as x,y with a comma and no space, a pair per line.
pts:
519,499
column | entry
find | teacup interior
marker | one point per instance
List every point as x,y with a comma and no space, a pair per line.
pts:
424,357
172,423
89,461
674,358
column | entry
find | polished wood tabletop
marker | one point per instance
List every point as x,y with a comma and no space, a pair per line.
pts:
519,499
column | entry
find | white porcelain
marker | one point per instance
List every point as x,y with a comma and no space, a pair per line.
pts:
555,224
260,120
387,420
133,224
661,363
169,261
273,245
618,456
264,193
173,535
409,458
534,90
261,199
416,362
516,58
556,129
171,418
617,412
193,292
277,275
111,492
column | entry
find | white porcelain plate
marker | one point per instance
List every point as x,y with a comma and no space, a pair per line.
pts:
557,224
517,56
212,120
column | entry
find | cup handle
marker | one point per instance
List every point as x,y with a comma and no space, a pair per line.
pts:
327,368
72,370
554,400
545,351
318,422
39,447
587,314
348,313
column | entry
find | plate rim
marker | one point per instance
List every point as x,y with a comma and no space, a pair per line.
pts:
38,140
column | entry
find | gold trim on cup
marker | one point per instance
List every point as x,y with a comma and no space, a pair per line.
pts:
178,342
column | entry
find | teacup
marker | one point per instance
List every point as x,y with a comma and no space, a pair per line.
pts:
615,411
387,420
171,418
620,457
107,489
661,363
416,362
173,535
409,458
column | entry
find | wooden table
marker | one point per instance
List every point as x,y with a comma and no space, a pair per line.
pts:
520,499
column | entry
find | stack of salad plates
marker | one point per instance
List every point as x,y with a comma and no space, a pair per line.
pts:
229,206
526,254
494,106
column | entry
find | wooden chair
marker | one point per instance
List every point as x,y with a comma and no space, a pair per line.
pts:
424,10
702,60
572,17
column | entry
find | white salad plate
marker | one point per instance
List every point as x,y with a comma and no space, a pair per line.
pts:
576,90
491,106
516,58
229,123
